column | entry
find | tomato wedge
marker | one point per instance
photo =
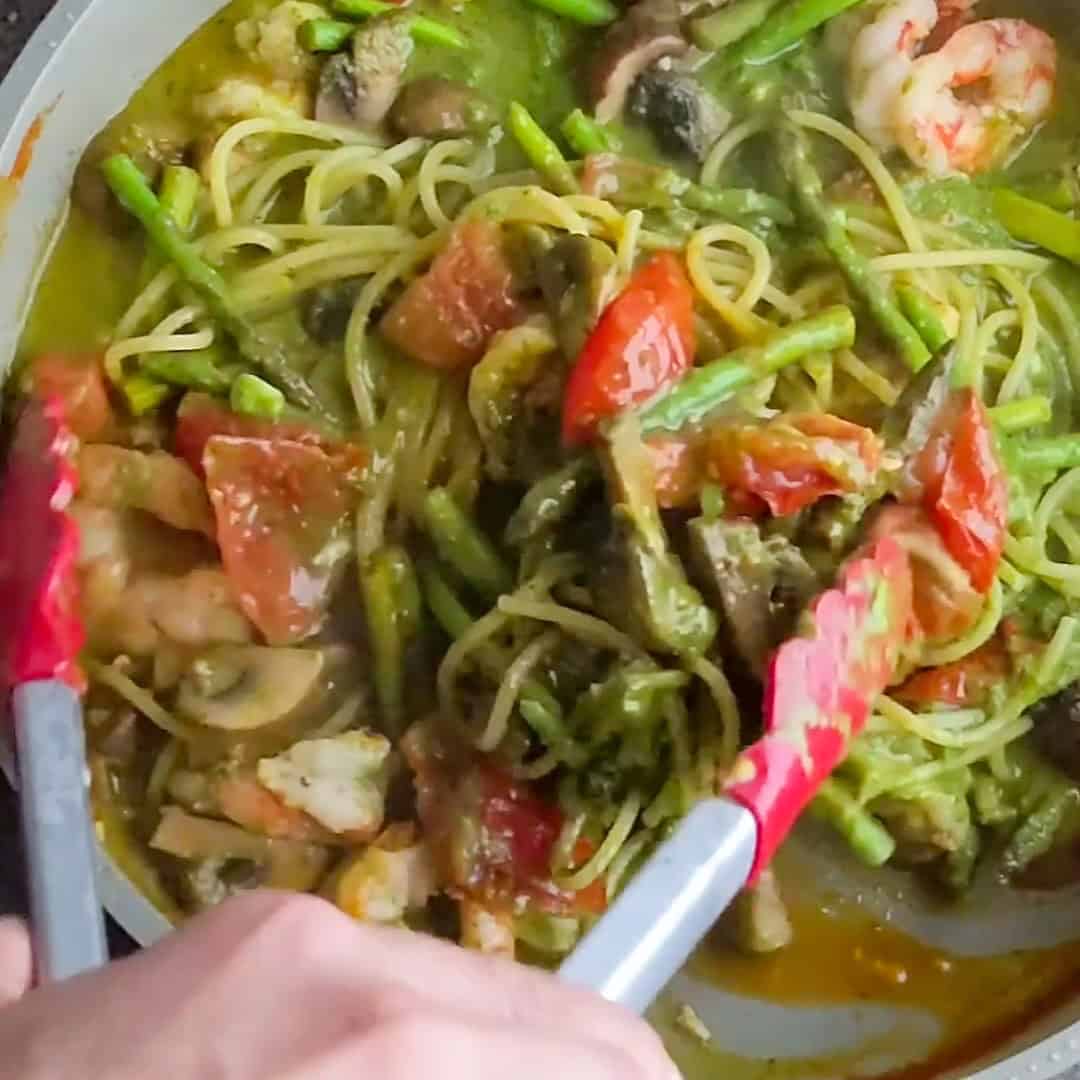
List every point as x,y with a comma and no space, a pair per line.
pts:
964,487
962,683
794,460
643,342
78,380
446,318
201,417
282,512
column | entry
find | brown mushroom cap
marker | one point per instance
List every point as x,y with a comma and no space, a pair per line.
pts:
643,36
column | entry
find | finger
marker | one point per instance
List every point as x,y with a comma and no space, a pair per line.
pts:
463,1046
500,989
16,961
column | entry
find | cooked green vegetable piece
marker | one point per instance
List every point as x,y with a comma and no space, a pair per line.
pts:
450,613
201,369
868,838
1060,194
577,277
391,593
179,195
737,203
927,316
461,544
586,12
629,707
785,27
1022,414
135,195
731,23
588,136
1035,836
658,601
552,500
1037,223
828,221
1054,452
325,35
253,396
705,388
541,150
425,31
143,393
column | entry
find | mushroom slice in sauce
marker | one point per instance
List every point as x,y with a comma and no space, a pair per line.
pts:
643,36
358,90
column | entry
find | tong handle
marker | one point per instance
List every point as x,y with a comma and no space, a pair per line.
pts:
647,935
66,919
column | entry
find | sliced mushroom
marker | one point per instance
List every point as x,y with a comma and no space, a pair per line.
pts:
683,115
359,90
434,107
644,35
240,688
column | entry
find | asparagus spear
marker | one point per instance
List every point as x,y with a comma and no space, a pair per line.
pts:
1054,453
392,604
1037,223
551,500
871,842
460,543
828,221
325,35
541,151
732,23
692,399
425,31
1022,414
586,12
785,27
926,316
130,187
589,136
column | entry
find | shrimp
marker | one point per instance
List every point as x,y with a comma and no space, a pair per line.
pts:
1007,70
157,483
880,63
131,605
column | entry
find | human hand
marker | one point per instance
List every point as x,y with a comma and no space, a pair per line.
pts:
276,986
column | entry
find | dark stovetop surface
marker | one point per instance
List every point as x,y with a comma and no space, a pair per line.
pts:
17,21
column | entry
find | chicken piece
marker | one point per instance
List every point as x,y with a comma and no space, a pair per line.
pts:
486,929
340,782
143,585
272,41
393,876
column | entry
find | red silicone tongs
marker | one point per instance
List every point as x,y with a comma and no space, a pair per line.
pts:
39,644
819,692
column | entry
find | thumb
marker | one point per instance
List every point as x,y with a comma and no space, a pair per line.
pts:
16,961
